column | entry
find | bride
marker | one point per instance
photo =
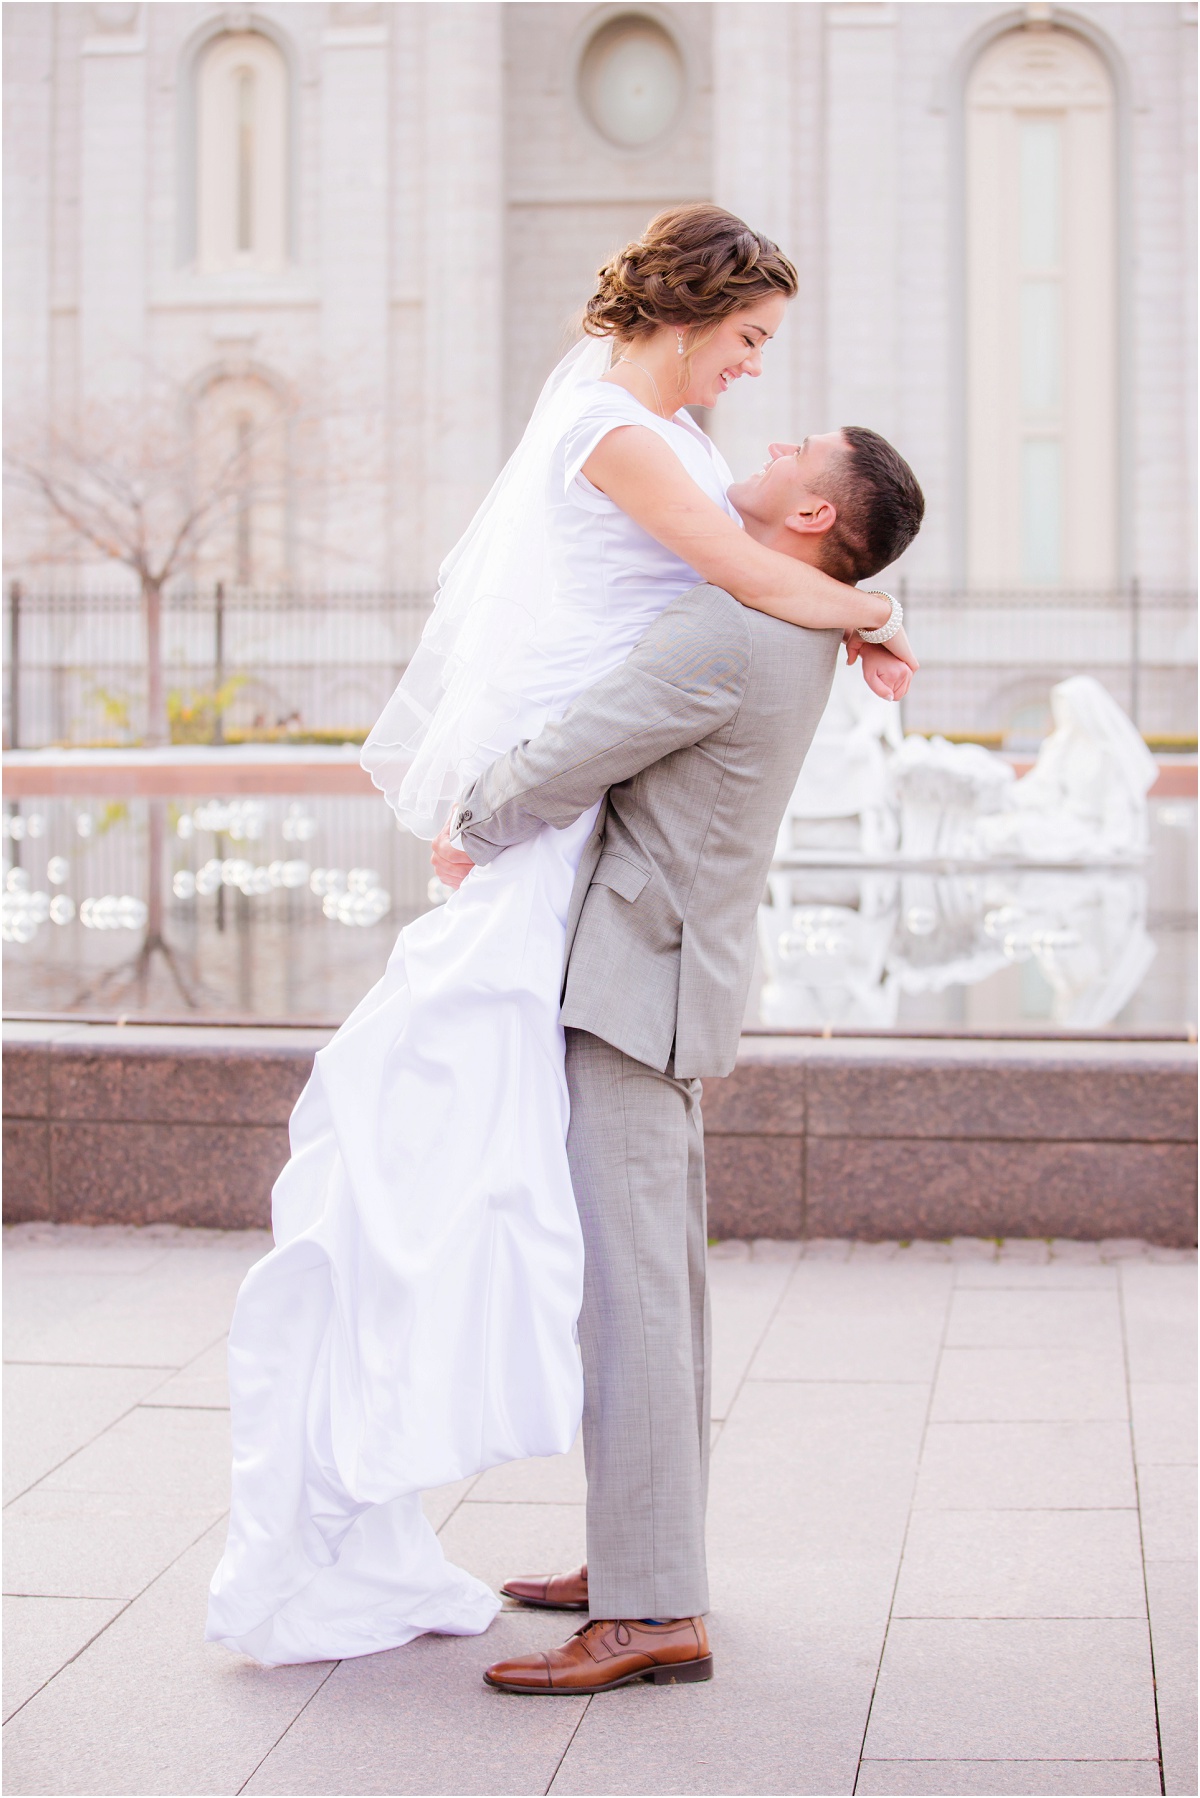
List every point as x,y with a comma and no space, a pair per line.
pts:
415,1320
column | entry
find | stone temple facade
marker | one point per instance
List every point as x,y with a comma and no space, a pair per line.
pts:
388,216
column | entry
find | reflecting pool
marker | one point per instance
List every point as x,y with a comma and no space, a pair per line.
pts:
277,909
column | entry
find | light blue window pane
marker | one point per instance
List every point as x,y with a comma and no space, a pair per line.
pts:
1041,196
1041,343
1041,511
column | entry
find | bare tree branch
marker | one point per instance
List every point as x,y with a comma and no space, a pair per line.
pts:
142,491
159,488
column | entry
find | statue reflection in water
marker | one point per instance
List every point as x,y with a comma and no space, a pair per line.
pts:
845,948
910,868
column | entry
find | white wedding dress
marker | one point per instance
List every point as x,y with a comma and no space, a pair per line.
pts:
415,1321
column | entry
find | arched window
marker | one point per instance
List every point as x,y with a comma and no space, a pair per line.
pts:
1041,331
240,469
241,155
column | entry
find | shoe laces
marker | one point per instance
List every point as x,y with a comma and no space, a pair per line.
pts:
622,1634
621,1630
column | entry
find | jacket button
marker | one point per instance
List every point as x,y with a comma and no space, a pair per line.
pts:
464,817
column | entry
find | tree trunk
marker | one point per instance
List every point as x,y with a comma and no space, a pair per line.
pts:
157,728
156,838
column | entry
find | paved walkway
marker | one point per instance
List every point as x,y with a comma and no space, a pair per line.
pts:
933,1535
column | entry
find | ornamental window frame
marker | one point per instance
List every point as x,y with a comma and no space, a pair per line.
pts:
195,52
949,97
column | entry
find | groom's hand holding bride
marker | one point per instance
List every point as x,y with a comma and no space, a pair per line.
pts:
451,865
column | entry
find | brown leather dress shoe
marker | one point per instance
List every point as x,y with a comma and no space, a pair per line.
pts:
603,1655
559,1592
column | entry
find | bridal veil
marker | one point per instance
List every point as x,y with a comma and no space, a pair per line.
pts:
446,720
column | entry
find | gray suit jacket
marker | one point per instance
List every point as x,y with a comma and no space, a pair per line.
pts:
697,740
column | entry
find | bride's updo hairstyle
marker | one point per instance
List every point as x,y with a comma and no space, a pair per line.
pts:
692,267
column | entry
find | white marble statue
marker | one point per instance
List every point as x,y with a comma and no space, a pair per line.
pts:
939,792
1083,801
1085,797
840,802
865,792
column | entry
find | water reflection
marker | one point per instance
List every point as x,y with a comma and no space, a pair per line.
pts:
985,946
240,908
285,909
873,949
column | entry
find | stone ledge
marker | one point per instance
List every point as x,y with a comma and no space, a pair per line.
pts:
147,1073
143,1085
171,772
957,1089
808,1137
147,1123
923,1188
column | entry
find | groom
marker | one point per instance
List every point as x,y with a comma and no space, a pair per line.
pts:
697,742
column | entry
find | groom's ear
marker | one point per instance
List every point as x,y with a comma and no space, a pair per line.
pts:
815,517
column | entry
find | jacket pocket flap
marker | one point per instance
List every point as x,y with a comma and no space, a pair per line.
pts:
623,877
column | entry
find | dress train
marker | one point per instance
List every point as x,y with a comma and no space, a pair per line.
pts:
415,1322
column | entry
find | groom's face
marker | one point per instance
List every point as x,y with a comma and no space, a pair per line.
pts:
792,485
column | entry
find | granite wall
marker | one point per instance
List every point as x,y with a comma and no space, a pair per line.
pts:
873,1138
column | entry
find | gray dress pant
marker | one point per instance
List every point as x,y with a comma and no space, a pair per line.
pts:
636,1150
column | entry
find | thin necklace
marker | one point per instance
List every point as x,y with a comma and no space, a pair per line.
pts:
645,371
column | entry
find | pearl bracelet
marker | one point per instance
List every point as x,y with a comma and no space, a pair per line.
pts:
887,631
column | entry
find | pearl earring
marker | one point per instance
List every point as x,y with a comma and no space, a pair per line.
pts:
679,342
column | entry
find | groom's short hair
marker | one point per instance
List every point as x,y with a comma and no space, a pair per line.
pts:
879,506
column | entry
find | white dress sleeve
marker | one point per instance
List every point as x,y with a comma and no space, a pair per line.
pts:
608,412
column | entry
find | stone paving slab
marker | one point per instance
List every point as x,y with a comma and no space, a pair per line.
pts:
421,1719
1027,1467
1079,1563
1164,1422
1026,1779
1171,1589
957,1688
53,1412
150,1707
951,1534
42,1635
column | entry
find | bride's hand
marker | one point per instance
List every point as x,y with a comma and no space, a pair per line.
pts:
898,646
901,648
451,865
883,672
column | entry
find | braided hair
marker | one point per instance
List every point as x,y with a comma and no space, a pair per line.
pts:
692,267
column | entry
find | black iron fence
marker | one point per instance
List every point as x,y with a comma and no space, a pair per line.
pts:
236,663
990,656
240,664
